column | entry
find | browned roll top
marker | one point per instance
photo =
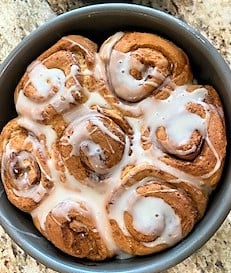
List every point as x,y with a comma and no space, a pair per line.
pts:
92,146
57,79
203,154
141,64
25,174
145,184
70,227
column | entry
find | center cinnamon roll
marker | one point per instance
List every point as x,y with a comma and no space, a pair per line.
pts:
91,146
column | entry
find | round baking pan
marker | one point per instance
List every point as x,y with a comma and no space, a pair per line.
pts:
98,22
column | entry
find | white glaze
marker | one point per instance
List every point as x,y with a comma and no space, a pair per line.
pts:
172,114
95,155
166,225
80,139
107,46
36,193
124,84
23,160
99,70
19,161
92,199
95,99
81,134
60,99
63,208
139,156
44,79
155,216
39,130
151,113
75,43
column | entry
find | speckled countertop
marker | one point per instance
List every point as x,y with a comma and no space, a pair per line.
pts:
211,17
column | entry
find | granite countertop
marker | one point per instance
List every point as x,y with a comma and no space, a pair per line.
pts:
211,17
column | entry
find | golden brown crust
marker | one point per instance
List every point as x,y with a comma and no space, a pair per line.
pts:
74,57
25,175
75,232
155,62
208,158
158,186
102,136
177,61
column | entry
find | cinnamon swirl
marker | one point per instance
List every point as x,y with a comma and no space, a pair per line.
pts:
140,64
25,174
57,79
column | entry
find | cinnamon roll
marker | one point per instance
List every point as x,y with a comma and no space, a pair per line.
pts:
140,64
114,152
148,214
24,171
91,146
70,226
58,79
196,149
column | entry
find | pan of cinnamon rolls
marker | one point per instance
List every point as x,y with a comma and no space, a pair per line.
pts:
117,146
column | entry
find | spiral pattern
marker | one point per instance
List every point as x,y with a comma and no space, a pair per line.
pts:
71,227
57,80
116,152
25,174
92,146
141,64
147,214
201,152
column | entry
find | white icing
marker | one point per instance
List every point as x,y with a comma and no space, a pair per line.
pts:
95,155
35,131
75,43
80,133
62,209
80,139
60,99
172,114
44,80
36,193
38,130
107,46
99,71
75,113
167,227
123,83
134,109
19,163
154,113
144,211
218,161
94,200
151,156
96,99
154,216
